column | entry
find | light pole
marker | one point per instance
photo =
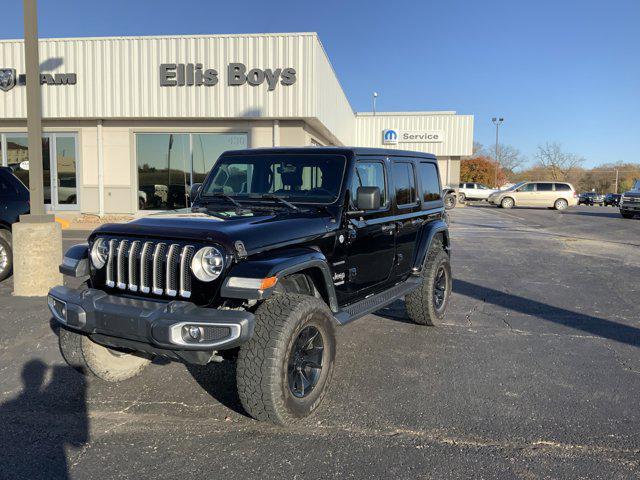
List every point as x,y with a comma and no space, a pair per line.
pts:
375,95
497,121
37,238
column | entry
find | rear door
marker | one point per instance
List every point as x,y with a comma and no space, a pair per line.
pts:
408,213
545,196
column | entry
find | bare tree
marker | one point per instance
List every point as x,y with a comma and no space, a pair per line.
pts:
552,158
509,157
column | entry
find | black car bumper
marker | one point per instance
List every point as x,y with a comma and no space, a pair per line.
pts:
177,329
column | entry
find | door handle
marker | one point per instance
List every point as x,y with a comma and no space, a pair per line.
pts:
416,222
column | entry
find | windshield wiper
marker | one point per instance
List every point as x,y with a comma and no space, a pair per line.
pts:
269,196
240,209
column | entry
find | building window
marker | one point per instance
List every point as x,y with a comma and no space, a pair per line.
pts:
59,165
169,163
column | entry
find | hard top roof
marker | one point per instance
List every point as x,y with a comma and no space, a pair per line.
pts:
334,150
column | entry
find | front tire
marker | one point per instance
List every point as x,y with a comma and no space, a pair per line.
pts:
507,202
6,258
449,201
427,304
627,214
561,204
284,371
83,354
462,197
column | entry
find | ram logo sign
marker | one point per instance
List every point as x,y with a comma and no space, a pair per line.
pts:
7,79
389,137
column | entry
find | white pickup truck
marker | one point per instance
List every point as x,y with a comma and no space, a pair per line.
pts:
474,191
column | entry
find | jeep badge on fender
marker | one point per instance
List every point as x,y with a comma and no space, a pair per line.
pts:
280,247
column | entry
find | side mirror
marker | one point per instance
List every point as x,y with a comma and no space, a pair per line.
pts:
368,198
195,190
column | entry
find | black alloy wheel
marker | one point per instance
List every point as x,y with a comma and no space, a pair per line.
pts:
304,367
440,288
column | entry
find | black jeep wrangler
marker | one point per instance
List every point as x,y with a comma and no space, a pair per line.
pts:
280,246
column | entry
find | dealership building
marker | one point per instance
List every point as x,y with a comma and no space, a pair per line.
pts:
131,122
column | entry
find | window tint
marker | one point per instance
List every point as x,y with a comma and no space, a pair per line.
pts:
430,183
545,187
405,183
6,185
461,185
369,174
529,187
562,187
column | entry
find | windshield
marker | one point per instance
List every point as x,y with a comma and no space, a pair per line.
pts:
637,185
513,187
313,178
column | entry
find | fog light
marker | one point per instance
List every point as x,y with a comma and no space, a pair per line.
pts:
58,308
194,332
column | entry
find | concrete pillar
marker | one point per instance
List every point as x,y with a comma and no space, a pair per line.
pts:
37,254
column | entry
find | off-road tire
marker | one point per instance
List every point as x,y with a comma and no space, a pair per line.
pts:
627,214
420,303
507,202
449,201
83,354
262,367
5,246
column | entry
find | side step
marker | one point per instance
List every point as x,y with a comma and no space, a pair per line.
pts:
377,301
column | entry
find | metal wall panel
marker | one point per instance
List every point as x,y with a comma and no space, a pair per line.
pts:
458,131
119,78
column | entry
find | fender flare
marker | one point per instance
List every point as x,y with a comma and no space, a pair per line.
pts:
429,231
281,264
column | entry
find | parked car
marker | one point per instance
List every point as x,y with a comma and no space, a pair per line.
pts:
280,246
14,201
630,202
450,197
612,199
591,198
558,195
474,191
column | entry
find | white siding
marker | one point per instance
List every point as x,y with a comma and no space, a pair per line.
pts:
458,131
119,78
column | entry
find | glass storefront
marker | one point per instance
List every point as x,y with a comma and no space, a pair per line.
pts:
59,163
169,163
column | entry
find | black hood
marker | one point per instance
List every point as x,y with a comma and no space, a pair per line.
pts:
258,232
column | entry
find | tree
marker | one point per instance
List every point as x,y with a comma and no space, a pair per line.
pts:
508,157
480,169
557,162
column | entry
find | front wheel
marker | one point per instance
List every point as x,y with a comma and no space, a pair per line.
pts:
6,258
462,197
284,371
449,201
627,214
83,354
507,202
427,304
561,204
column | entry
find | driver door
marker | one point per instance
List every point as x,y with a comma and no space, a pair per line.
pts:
371,235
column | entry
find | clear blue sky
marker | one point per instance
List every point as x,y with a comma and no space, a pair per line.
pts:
563,70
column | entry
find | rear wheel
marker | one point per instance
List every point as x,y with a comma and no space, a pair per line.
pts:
83,354
427,304
6,256
284,371
507,202
561,204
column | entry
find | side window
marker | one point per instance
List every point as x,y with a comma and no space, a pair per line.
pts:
545,187
370,174
405,183
529,187
429,181
461,185
562,187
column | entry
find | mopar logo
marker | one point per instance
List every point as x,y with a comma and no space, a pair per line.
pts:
389,137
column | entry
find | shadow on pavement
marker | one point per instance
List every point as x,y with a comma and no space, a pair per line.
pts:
593,325
219,381
39,424
611,214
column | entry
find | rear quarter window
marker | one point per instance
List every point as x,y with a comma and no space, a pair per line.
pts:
429,181
562,187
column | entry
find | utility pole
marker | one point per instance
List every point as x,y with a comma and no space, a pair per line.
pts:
375,95
37,238
497,121
617,178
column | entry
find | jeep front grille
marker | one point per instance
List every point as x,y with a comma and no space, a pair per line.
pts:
150,267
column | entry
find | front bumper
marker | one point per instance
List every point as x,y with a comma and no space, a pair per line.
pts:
149,326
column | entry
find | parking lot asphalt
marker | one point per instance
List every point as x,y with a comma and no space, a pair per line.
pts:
535,373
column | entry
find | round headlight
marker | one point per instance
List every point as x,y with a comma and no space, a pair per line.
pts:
207,264
99,253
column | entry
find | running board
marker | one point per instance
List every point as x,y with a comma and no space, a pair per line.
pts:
377,301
